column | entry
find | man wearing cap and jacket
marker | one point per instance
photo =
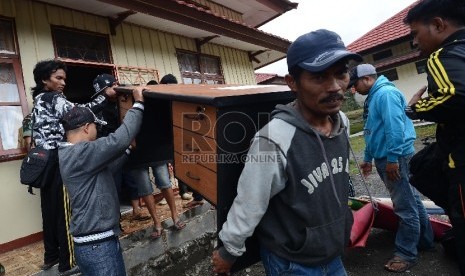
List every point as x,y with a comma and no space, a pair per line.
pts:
87,165
109,112
389,136
297,205
438,31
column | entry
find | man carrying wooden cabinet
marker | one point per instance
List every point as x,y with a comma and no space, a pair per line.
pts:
295,196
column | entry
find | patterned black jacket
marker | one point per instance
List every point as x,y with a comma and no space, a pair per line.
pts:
49,109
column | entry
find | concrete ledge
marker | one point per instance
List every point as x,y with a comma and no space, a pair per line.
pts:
175,252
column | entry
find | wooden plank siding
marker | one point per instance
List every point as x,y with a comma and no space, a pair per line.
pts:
7,8
132,45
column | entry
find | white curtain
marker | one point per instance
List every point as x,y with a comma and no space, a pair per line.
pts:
11,118
9,92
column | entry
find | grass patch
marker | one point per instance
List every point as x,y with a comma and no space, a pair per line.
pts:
356,127
353,168
354,115
358,143
425,131
356,120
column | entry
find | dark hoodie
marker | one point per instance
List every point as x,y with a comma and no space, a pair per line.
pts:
294,191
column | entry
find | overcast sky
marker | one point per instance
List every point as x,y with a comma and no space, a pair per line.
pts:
350,19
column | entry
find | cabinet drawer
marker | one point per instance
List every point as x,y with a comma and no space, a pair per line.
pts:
198,149
195,117
197,177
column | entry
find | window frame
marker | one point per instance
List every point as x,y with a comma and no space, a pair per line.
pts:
14,59
381,55
53,28
421,66
390,74
203,76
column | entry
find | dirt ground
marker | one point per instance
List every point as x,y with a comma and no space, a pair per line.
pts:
369,261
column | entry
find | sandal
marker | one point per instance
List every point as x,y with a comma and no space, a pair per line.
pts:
157,233
192,204
178,225
398,265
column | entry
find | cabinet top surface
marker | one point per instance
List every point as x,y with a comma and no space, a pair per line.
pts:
218,95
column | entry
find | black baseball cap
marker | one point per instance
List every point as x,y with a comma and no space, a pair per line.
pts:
79,116
101,82
318,50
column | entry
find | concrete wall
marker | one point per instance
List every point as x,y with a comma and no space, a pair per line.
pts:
20,214
409,81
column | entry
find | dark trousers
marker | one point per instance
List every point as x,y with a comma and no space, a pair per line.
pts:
182,187
56,213
456,212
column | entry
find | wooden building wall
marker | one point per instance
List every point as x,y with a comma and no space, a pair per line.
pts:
131,46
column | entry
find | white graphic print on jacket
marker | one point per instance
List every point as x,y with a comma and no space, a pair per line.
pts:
320,173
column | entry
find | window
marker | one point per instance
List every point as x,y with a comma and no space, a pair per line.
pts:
13,105
7,42
382,55
391,74
413,47
421,66
198,68
79,45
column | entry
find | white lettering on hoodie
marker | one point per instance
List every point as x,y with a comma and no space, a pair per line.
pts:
320,173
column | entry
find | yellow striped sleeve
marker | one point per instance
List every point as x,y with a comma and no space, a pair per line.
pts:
446,88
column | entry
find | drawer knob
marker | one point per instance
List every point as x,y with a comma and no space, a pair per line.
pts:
199,116
188,174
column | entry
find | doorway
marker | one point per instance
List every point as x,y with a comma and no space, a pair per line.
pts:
79,78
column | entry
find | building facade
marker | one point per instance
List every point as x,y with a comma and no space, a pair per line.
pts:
198,41
389,48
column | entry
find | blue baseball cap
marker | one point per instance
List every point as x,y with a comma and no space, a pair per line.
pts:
318,50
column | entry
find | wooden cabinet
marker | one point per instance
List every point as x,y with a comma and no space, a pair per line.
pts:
211,128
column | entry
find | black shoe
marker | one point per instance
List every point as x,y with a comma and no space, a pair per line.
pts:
73,271
47,266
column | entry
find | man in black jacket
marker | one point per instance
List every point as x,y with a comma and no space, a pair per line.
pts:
438,30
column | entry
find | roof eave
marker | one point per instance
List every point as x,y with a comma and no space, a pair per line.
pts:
204,20
281,6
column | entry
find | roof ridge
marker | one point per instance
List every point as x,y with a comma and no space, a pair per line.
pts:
391,29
